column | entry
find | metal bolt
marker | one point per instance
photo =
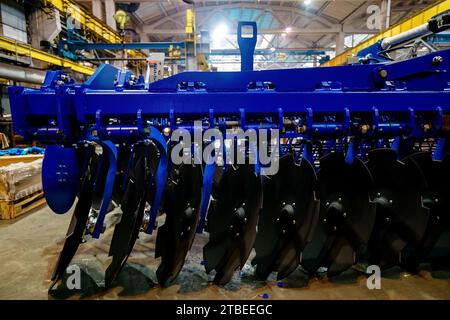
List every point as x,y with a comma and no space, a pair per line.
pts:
231,227
278,219
293,221
293,204
427,127
327,204
436,200
339,199
324,220
437,60
284,231
390,201
387,219
245,219
188,228
344,214
237,234
365,128
383,73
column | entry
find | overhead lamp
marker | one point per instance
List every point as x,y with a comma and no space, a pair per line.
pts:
220,32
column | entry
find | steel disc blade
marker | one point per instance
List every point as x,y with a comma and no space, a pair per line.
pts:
79,219
340,257
401,219
346,215
182,205
436,199
124,162
133,206
232,220
287,218
60,177
315,251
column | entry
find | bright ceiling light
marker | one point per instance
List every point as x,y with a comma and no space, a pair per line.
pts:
288,29
284,34
272,49
220,32
306,2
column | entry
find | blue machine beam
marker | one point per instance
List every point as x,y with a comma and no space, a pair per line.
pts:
354,123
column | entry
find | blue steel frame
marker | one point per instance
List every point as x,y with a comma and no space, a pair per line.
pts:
417,84
317,104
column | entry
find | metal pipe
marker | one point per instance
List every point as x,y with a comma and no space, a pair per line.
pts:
417,32
436,24
16,73
388,14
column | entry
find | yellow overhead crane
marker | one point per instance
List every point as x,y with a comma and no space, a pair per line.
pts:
87,21
91,23
418,19
23,49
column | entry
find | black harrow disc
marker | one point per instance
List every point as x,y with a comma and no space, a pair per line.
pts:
346,215
401,220
133,203
232,219
124,162
437,199
288,217
80,216
182,207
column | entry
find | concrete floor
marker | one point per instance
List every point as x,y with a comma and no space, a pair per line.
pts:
29,247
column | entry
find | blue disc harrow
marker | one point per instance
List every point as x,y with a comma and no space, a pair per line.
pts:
361,151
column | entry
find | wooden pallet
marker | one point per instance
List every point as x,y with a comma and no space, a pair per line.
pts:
12,209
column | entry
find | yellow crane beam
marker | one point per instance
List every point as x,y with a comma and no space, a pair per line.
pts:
418,19
86,19
80,15
90,22
23,49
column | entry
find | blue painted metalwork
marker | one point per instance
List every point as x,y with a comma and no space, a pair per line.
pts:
247,44
317,110
78,45
208,174
160,182
62,174
232,52
109,151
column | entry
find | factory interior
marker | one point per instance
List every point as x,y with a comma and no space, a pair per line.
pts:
225,150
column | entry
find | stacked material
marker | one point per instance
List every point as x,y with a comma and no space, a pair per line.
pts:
20,188
20,179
